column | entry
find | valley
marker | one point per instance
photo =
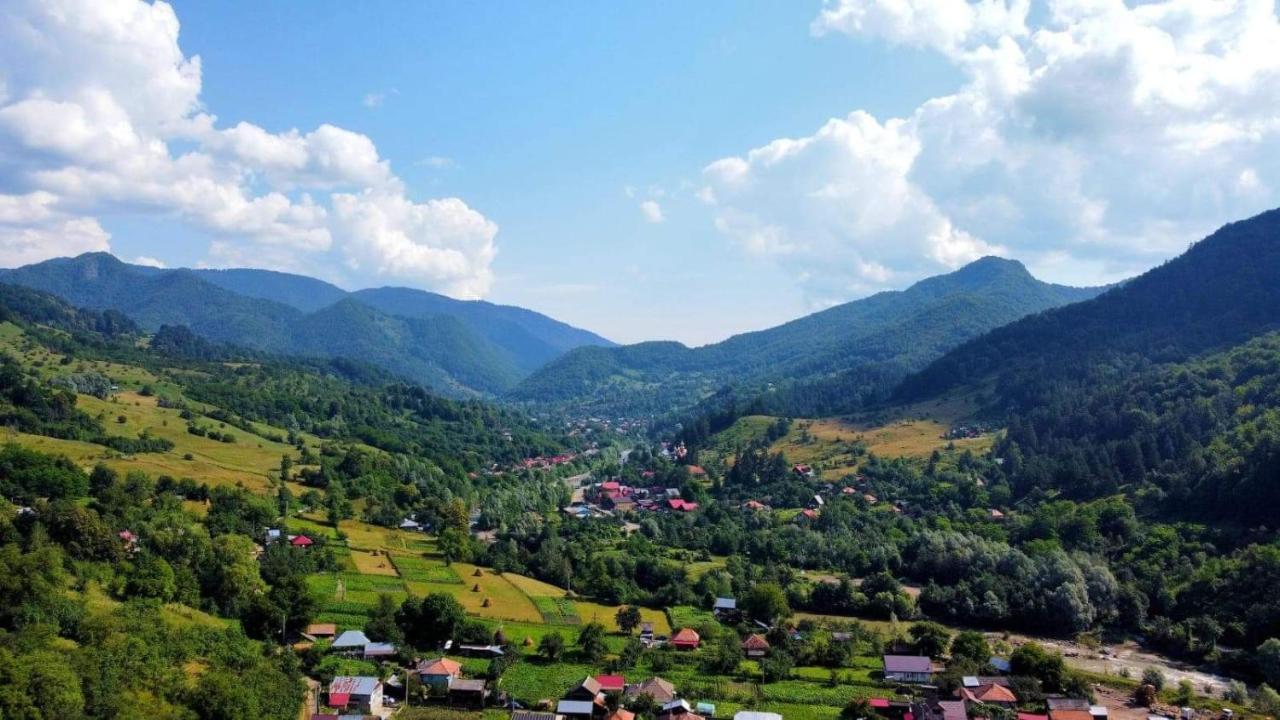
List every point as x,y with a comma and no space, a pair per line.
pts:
1074,518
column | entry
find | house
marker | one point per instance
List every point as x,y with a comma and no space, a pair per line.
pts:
802,470
1001,665
705,709
988,694
818,502
940,710
360,693
484,651
438,674
680,505
755,646
621,714
646,633
130,541
301,541
1066,703
576,709
724,607
1099,712
1031,716
697,471
754,505
659,690
410,524
589,689
1070,714
533,715
871,499
808,514
321,631
677,710
908,668
470,693
686,639
611,683
350,642
379,651
995,515
755,715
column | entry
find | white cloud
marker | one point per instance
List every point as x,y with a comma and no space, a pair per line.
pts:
1092,143
439,162
100,112
652,211
148,261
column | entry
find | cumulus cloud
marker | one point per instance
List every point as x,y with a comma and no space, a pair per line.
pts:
1092,143
100,111
148,261
652,211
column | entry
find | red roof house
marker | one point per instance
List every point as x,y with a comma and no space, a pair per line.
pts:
686,639
611,683
697,471
302,541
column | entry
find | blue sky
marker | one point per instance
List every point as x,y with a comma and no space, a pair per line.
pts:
657,170
548,113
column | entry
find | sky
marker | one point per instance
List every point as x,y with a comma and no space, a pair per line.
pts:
646,170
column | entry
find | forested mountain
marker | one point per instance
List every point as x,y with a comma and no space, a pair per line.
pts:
458,347
1165,389
1221,292
829,361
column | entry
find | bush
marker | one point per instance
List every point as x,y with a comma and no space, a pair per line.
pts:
1153,677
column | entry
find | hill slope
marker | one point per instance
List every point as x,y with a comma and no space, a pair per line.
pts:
458,347
853,351
1221,292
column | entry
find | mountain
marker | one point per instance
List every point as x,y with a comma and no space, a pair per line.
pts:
304,293
1223,291
458,347
532,339
855,350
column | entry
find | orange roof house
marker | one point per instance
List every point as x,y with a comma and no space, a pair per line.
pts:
686,639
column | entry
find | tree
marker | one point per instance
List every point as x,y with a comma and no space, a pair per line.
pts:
767,603
381,626
970,646
1269,661
1153,677
454,545
428,622
1032,660
857,709
551,646
1267,701
591,642
930,638
722,655
628,618
777,666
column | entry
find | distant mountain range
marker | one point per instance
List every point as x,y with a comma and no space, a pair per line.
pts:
831,361
458,347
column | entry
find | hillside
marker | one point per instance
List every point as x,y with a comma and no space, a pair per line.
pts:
831,361
1221,292
461,348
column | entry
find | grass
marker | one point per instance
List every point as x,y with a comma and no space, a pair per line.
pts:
418,569
683,616
556,611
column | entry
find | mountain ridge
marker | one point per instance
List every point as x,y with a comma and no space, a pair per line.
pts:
465,349
897,330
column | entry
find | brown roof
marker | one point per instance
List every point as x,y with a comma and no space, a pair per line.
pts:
439,666
988,693
591,685
322,629
621,714
1070,715
657,688
755,642
466,686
